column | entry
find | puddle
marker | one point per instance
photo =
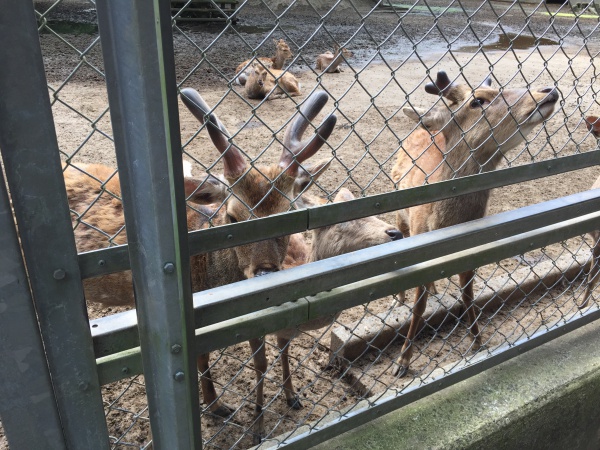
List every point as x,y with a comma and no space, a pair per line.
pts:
509,40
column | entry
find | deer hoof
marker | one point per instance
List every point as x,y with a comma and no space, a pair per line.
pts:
222,410
399,369
257,437
294,402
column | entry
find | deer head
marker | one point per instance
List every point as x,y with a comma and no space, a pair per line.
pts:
483,118
259,191
282,49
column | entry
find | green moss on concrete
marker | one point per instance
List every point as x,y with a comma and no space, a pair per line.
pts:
547,398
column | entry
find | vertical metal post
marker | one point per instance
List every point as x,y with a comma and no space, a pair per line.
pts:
34,175
26,396
137,45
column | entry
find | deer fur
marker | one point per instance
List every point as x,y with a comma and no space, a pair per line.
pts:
593,125
467,133
271,83
330,62
327,242
256,192
282,54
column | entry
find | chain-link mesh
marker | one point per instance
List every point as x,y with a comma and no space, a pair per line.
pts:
393,50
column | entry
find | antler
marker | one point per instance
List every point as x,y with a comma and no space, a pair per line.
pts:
296,151
441,85
233,160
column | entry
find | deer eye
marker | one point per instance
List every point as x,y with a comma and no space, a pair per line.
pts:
477,102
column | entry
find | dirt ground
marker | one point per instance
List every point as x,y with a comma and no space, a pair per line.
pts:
392,60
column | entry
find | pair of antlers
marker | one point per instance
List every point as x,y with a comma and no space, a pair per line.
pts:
443,84
295,150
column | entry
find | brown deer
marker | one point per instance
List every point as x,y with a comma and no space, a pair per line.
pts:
466,135
282,54
593,125
330,62
246,192
271,83
326,242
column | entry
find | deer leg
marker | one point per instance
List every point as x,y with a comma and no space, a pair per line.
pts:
593,275
288,387
401,364
209,394
466,284
260,367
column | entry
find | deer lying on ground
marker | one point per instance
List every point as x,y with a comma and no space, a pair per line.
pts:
327,242
282,54
271,83
330,62
257,192
466,137
593,125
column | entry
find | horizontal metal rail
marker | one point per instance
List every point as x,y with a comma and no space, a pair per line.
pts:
118,332
240,329
116,259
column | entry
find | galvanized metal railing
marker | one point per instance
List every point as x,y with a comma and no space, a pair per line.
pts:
61,359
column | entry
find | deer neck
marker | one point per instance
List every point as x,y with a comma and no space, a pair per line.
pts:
278,61
464,157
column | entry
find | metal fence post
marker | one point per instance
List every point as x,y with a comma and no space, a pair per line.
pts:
23,367
137,46
33,171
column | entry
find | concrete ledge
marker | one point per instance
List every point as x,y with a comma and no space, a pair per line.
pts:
547,398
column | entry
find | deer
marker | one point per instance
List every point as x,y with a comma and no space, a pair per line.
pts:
282,54
593,125
326,242
244,192
271,83
467,134
330,62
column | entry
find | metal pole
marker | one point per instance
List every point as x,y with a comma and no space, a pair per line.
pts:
34,174
137,45
26,396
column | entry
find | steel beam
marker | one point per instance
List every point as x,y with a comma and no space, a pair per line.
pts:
137,45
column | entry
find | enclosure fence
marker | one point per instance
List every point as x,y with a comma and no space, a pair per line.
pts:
375,163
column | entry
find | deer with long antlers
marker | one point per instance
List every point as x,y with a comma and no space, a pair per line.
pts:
467,134
245,192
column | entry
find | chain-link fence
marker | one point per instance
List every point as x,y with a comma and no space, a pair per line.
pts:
407,83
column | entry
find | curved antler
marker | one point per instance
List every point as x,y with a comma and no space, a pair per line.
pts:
234,163
296,151
441,85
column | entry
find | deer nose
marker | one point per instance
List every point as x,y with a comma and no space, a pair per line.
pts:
259,272
394,234
552,93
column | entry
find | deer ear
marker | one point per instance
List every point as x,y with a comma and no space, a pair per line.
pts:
413,113
205,191
432,119
308,173
343,195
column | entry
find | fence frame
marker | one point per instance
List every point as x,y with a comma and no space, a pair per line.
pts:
140,74
34,176
148,143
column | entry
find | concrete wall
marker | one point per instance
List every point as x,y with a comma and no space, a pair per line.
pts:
547,398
